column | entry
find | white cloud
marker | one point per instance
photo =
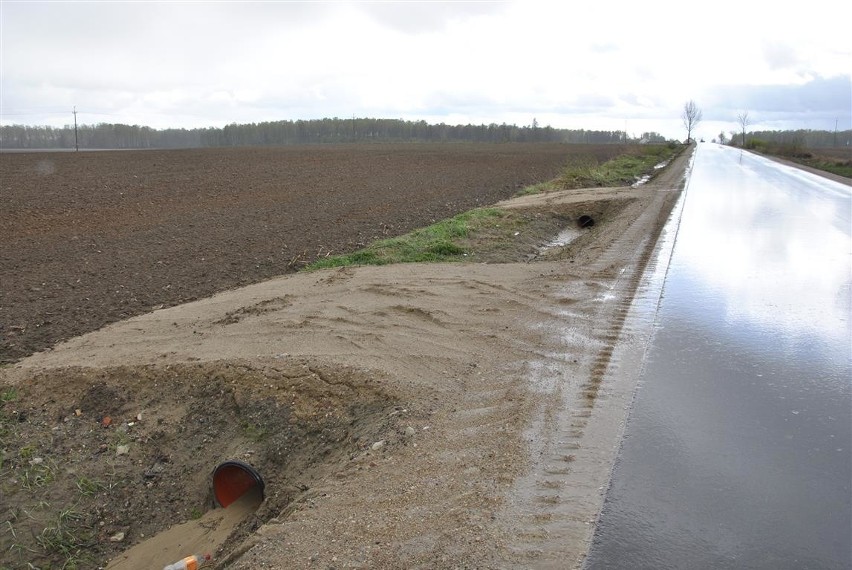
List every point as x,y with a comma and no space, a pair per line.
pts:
815,104
593,66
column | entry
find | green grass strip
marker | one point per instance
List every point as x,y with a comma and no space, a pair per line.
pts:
438,242
835,167
585,172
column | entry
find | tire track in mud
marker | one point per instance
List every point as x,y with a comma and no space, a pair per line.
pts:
553,507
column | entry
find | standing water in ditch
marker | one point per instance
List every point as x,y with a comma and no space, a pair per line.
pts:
737,450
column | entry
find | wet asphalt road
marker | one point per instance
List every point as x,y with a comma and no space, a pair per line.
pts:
738,450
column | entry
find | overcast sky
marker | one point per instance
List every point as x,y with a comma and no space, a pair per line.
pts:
614,65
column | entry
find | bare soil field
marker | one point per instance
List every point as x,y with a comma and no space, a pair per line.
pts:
457,415
92,238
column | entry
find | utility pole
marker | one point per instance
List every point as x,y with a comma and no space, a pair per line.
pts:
835,131
76,146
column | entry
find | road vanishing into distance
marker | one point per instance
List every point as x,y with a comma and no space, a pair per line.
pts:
738,449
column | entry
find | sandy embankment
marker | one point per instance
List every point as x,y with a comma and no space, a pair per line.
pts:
503,372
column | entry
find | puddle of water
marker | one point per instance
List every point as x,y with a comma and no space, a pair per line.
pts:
647,177
641,181
564,237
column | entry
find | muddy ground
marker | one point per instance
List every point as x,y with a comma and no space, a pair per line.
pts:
414,416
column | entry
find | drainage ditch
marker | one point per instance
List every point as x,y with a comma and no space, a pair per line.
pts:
96,461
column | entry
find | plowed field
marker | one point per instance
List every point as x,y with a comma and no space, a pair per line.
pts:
96,237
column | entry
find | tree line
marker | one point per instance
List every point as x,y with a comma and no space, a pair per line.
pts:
802,138
317,131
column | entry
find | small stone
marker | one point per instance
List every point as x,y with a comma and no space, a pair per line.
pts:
78,412
36,461
117,537
409,431
122,450
378,445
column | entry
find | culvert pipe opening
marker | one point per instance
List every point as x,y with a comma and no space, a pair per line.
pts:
585,221
233,479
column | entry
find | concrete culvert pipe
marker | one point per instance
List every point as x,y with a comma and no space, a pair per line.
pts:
233,479
585,221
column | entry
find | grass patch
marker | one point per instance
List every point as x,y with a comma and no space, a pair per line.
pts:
37,477
837,166
89,487
438,242
620,171
539,188
8,395
119,437
64,538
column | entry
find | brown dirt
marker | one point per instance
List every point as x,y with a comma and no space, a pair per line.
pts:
92,238
413,416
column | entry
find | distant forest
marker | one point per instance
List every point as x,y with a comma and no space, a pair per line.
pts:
800,138
354,130
118,136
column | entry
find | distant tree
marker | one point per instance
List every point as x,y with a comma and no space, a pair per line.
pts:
691,116
743,121
652,137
